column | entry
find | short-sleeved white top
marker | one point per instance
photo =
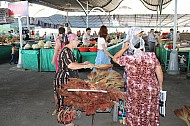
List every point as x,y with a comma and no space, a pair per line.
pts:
100,42
85,36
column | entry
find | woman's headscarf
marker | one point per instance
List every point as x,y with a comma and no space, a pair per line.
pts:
134,40
71,37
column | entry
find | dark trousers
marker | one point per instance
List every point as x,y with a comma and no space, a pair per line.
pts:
12,59
151,46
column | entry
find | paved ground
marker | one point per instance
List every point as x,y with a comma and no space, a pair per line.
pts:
27,99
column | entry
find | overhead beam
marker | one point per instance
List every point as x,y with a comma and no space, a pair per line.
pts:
83,20
68,21
150,19
100,19
165,18
135,20
177,19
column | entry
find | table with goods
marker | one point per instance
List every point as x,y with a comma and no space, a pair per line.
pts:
183,49
98,93
39,54
84,53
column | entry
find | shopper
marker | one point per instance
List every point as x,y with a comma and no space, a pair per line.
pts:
103,56
144,82
59,44
152,41
13,58
67,69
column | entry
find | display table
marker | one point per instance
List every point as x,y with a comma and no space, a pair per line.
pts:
166,56
5,52
30,59
91,56
40,60
115,48
46,56
85,56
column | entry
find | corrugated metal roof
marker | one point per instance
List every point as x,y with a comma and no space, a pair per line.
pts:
142,20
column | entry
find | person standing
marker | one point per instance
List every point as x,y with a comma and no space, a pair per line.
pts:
68,67
13,50
144,82
133,33
103,56
37,35
59,44
152,41
86,37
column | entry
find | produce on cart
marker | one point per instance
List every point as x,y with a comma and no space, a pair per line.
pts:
99,92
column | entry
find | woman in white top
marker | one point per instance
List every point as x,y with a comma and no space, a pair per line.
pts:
103,56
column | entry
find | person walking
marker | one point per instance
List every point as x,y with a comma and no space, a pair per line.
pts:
13,58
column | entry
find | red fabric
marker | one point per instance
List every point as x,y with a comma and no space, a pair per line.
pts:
57,57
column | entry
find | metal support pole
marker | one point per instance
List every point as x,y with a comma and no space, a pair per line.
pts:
160,22
67,20
87,14
160,8
173,67
109,23
28,25
19,65
175,24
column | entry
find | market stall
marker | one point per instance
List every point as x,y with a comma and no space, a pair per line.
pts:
40,59
5,52
45,60
97,93
183,56
30,59
183,49
91,56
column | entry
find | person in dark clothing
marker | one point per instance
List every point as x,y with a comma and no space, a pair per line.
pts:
13,50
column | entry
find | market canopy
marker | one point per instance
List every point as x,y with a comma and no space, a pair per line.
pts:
77,5
142,20
128,13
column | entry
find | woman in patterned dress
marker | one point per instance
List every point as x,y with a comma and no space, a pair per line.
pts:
144,82
67,65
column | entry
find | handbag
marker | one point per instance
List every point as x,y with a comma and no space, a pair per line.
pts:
162,103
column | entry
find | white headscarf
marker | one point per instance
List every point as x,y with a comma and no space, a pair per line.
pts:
134,39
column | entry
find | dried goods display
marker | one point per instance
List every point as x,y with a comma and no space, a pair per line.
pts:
108,79
184,114
92,101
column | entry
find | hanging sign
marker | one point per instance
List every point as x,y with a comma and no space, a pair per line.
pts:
16,9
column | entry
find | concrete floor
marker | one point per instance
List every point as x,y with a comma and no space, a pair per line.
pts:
27,99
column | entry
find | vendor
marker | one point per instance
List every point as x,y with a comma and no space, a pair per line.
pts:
86,37
68,67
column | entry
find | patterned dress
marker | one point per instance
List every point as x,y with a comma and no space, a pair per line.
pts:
142,104
62,76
